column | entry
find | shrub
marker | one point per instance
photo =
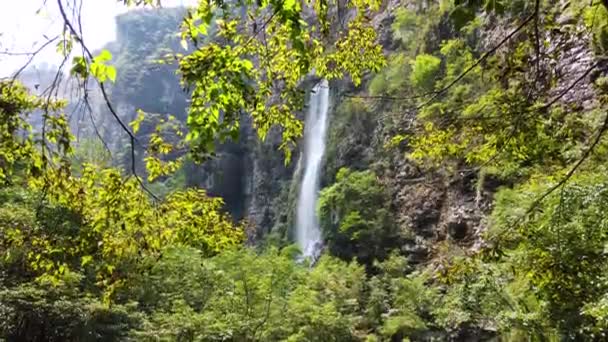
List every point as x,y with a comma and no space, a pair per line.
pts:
424,72
355,218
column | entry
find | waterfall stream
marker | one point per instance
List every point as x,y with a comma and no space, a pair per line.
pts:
308,233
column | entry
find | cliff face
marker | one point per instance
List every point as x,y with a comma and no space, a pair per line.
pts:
246,173
433,205
429,205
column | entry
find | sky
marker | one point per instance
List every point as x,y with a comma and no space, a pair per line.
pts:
25,23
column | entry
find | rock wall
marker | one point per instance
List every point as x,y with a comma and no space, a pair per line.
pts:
430,206
248,174
435,205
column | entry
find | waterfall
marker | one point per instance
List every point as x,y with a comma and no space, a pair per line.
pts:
308,233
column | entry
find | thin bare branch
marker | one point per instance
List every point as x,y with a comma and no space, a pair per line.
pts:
584,157
537,38
479,61
437,93
132,138
90,112
571,86
32,56
11,53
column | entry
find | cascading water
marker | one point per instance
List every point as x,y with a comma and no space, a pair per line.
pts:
308,233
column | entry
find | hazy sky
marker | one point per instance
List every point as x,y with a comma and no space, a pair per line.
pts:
24,23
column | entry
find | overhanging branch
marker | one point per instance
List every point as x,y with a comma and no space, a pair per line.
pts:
132,138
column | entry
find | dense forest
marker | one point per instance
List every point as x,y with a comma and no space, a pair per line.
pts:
310,170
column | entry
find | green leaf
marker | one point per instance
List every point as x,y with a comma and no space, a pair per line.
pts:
104,56
111,72
85,260
247,64
289,5
98,71
202,29
79,67
137,122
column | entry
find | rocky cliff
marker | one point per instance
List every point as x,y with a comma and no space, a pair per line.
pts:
248,174
438,204
430,205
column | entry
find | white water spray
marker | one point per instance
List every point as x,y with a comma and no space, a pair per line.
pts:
308,233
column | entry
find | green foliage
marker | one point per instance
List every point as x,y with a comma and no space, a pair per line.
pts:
285,207
547,283
404,25
100,221
51,312
72,245
166,138
542,278
17,147
497,114
97,67
116,226
424,71
407,299
100,70
350,139
596,20
244,296
247,72
486,117
354,217
88,255
90,151
415,27
415,30
393,78
482,294
466,11
561,248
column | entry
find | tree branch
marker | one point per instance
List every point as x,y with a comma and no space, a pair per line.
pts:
576,166
132,138
32,56
571,86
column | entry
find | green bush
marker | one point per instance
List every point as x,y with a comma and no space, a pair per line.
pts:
425,69
355,217
46,312
562,248
405,25
244,296
393,78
